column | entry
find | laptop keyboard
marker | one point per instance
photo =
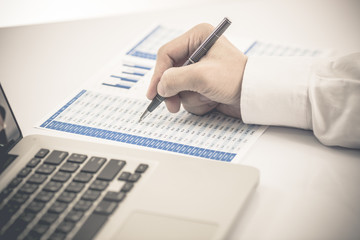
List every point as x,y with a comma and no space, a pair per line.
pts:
59,195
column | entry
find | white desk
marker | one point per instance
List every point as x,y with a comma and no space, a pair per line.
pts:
307,190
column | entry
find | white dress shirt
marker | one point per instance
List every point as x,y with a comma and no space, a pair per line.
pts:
310,93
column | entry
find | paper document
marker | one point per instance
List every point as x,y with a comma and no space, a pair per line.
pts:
110,107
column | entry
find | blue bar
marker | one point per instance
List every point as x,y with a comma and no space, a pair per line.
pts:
216,155
204,153
152,143
183,149
251,46
137,66
147,142
116,85
124,79
167,146
136,141
200,152
131,139
108,135
221,155
210,153
163,145
134,73
158,144
142,141
189,150
144,55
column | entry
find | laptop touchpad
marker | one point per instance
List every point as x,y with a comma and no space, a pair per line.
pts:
149,226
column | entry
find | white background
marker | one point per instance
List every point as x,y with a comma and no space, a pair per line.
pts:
24,12
306,190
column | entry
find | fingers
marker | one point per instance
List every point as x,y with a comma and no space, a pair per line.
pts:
175,80
176,52
196,103
213,82
168,56
192,102
173,104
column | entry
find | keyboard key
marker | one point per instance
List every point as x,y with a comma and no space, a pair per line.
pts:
45,169
74,216
93,165
114,196
28,188
91,226
37,178
111,170
49,218
56,157
99,185
42,153
69,167
19,225
77,158
33,162
5,193
10,208
35,207
57,207
61,177
105,207
44,196
32,236
39,230
83,177
57,236
53,186
124,176
75,187
13,231
91,195
65,227
24,172
82,205
141,168
19,198
15,182
66,197
27,217
127,187
134,177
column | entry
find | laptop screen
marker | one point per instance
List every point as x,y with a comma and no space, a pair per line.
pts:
10,132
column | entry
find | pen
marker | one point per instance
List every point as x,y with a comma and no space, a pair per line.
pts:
195,57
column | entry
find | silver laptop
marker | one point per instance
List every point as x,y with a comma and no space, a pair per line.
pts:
55,188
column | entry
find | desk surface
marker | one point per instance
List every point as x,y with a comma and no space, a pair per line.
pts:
306,191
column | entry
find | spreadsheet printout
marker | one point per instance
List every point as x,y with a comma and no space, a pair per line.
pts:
213,136
110,107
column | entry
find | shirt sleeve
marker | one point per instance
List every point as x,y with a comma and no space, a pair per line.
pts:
310,93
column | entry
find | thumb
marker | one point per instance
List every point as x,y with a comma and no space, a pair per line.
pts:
178,79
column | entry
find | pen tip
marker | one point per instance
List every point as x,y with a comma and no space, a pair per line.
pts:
144,115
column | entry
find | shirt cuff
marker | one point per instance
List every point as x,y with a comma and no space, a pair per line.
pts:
275,91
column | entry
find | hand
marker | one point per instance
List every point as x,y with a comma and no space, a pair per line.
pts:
212,83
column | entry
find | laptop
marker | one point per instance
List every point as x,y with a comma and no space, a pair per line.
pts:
58,188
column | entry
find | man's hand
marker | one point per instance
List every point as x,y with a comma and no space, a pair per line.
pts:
213,82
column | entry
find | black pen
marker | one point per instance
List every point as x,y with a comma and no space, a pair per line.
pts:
195,57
